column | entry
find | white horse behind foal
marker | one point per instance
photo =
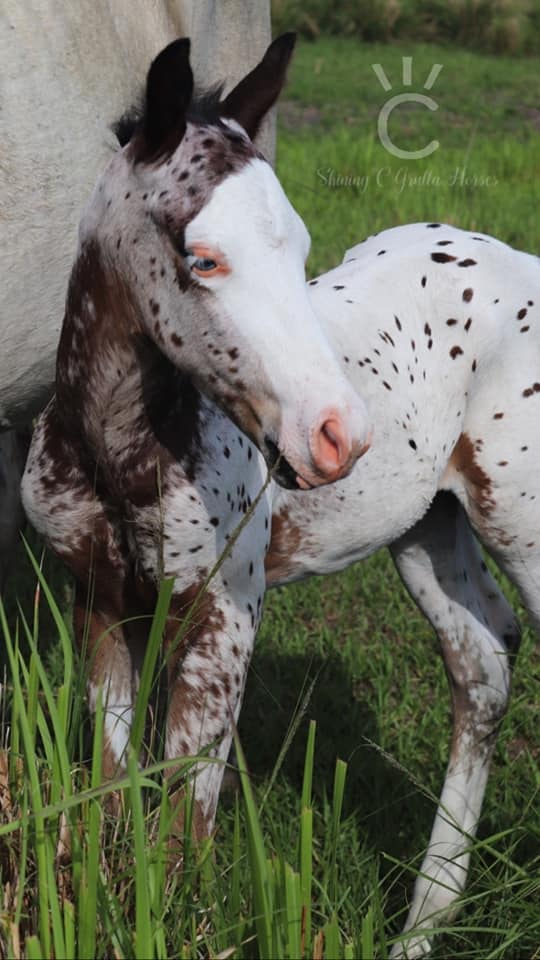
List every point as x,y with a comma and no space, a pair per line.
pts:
439,332
69,72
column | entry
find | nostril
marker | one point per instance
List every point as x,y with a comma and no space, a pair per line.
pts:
329,444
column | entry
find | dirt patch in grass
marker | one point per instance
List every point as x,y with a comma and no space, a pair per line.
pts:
293,115
532,115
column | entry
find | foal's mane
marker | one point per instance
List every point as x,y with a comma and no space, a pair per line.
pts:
204,108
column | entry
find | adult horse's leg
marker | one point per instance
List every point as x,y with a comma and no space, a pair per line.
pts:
228,38
442,567
13,449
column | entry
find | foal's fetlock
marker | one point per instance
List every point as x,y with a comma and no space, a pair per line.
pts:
190,831
113,804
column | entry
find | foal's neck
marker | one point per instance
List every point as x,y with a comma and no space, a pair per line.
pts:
105,360
120,400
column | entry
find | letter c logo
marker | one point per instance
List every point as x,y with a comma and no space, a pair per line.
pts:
382,125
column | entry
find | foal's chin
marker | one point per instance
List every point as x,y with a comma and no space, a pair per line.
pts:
282,471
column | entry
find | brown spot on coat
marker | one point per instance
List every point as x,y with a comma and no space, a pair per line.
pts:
442,257
284,543
478,484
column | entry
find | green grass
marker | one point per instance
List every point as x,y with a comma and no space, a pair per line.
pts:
483,176
304,859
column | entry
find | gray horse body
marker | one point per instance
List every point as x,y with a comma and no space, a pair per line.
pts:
70,72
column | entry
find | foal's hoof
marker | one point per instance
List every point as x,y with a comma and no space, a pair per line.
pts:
175,854
231,781
181,847
410,948
112,804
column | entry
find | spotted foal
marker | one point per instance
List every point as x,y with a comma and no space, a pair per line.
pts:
135,473
189,277
439,331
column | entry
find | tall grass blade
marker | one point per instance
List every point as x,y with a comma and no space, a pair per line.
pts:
69,931
45,896
260,876
367,934
153,648
306,838
337,806
33,949
237,860
144,947
306,873
300,710
88,887
293,912
307,782
332,940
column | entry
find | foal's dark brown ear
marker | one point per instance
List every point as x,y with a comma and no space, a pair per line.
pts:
255,94
169,86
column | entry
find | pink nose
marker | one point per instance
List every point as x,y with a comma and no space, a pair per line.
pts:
331,446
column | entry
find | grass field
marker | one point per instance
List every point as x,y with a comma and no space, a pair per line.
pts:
379,694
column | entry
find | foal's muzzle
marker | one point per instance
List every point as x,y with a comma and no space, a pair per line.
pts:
283,472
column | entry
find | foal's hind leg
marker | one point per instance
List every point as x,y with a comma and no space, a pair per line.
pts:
441,565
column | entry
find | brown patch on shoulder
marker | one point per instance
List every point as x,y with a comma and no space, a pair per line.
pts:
286,539
477,483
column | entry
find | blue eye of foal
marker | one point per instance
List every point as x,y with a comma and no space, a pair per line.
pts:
203,264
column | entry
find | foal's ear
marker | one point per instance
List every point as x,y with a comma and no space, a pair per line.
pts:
255,94
169,86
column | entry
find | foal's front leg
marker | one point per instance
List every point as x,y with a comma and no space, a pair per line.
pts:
114,663
61,501
208,645
442,567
